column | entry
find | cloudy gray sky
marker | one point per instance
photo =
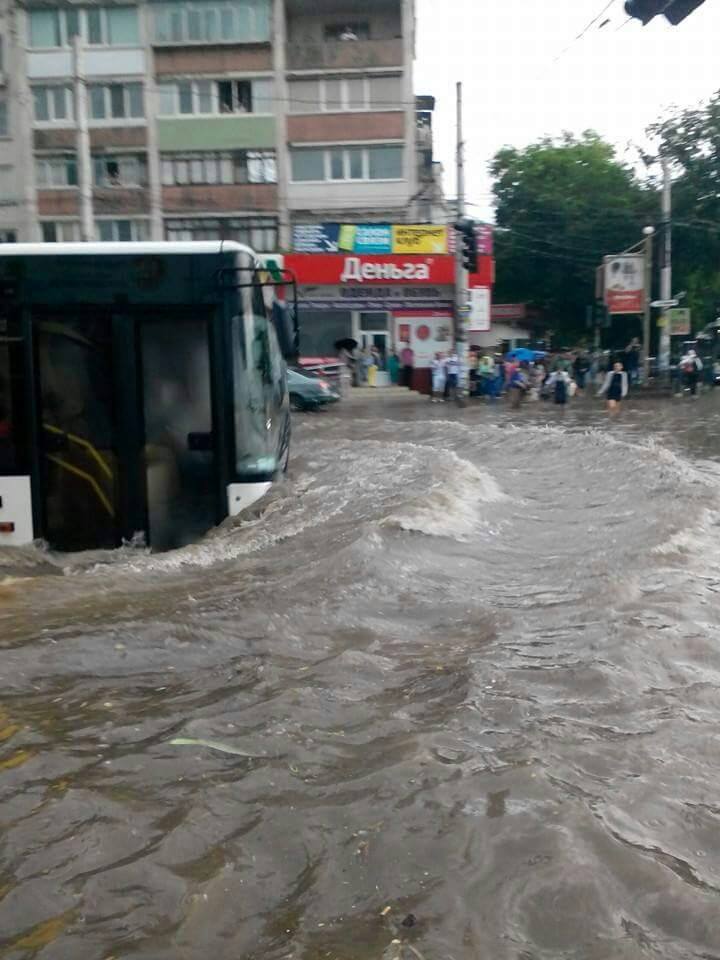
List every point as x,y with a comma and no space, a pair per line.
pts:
616,81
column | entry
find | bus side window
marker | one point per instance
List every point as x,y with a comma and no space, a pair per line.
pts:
7,448
261,340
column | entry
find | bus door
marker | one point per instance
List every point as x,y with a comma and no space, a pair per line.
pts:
180,458
78,429
16,517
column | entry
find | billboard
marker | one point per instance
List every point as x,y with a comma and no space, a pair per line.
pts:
625,283
479,310
680,322
370,238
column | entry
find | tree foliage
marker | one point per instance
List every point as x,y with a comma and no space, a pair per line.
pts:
561,206
690,140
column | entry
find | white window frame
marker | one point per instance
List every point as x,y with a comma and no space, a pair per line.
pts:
109,120
66,39
328,149
170,159
71,226
139,228
184,8
324,105
119,158
52,121
215,111
49,161
186,228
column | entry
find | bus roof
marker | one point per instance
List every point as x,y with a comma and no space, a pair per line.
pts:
131,249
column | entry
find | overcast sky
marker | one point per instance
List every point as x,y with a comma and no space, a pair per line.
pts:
616,81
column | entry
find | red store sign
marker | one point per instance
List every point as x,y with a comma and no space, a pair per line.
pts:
319,269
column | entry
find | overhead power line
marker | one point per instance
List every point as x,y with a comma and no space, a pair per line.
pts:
585,30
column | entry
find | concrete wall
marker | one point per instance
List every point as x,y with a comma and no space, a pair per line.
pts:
310,28
232,132
351,197
213,60
220,198
344,127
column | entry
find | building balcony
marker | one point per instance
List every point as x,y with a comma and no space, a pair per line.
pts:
220,198
345,55
424,138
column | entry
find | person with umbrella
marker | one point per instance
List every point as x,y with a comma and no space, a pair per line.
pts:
346,349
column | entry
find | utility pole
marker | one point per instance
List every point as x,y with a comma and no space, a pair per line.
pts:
461,275
87,223
648,231
666,273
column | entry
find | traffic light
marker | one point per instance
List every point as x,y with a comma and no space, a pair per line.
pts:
675,10
466,229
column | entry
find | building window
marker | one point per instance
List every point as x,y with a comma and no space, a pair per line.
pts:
119,171
58,171
260,233
52,104
341,94
116,101
209,21
4,127
60,231
347,31
8,236
121,231
240,166
98,26
384,162
208,97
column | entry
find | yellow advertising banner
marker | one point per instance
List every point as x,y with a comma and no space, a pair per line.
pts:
419,238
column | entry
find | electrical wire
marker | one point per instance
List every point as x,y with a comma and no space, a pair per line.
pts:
584,31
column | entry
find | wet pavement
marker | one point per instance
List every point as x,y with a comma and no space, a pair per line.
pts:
452,693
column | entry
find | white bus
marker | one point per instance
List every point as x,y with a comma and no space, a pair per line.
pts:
142,390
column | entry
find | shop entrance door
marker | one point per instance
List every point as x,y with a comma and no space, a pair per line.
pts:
374,331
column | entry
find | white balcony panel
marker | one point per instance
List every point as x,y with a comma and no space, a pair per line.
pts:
106,62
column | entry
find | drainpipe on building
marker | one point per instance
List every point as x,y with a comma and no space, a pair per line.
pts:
87,221
281,108
153,151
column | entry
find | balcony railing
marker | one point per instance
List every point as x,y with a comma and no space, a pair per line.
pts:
345,54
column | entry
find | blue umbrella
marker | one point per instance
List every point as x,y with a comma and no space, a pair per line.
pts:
526,356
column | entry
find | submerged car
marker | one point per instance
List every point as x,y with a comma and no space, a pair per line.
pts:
309,393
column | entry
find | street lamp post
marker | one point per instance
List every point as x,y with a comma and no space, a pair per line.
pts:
648,233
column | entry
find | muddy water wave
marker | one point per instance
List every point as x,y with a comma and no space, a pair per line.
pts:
465,672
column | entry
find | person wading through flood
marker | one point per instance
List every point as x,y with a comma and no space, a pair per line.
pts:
518,385
407,359
691,365
615,388
452,379
559,386
438,378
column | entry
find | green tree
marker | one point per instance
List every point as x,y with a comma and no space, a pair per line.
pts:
690,140
561,206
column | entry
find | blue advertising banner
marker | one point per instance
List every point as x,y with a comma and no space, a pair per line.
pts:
368,238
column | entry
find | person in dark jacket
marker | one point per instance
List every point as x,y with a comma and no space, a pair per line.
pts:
615,388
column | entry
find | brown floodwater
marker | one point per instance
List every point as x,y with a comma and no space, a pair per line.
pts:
452,693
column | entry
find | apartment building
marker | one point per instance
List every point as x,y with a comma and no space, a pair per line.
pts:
208,118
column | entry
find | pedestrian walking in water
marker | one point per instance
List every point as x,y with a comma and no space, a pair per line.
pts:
615,388
518,385
452,376
691,365
438,378
559,386
407,359
632,360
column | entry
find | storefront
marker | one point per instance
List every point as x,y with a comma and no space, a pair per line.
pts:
382,300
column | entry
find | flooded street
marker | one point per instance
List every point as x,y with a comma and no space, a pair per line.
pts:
462,665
